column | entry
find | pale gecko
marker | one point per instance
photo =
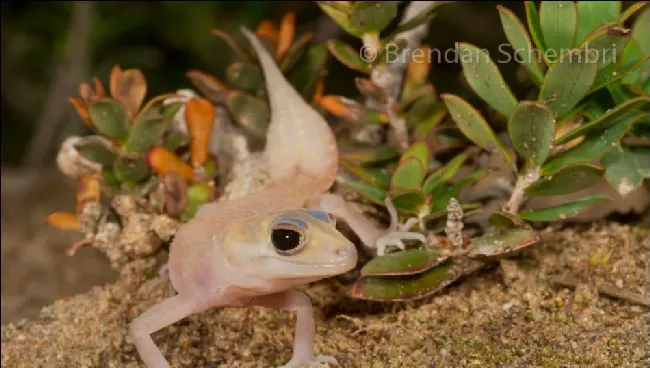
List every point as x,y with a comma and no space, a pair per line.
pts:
254,250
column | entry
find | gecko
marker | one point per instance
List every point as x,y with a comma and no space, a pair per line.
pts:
255,250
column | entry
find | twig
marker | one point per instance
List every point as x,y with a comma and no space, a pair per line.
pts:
454,228
604,288
390,75
73,69
517,196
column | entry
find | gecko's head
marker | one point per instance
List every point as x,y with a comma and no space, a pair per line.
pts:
296,244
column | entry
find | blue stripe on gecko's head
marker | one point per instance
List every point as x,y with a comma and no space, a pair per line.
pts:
289,220
321,215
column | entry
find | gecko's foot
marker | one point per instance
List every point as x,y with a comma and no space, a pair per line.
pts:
318,361
395,234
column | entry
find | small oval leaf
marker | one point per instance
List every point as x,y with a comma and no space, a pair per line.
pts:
569,179
372,16
131,169
96,149
608,43
109,116
473,126
503,242
305,75
558,20
347,55
562,211
624,111
531,128
245,76
411,287
375,195
407,262
626,167
294,53
250,112
145,134
518,38
485,79
592,146
532,18
408,175
568,80
591,14
444,174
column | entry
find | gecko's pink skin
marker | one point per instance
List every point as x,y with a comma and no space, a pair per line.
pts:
224,256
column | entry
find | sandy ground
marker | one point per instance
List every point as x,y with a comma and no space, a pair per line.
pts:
509,316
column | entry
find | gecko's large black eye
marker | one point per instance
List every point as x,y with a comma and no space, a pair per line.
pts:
286,240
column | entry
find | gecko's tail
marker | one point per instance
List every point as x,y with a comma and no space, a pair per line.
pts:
299,139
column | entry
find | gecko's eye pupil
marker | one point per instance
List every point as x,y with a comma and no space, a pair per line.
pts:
286,240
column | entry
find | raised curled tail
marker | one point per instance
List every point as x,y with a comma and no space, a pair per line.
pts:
299,140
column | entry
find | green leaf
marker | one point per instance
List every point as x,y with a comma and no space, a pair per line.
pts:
592,146
423,108
531,128
145,134
443,194
401,288
641,31
420,18
473,126
592,14
518,38
251,113
485,79
502,242
410,202
417,93
532,18
424,127
374,177
110,118
131,168
420,150
375,195
626,110
294,53
407,262
444,174
631,10
169,111
505,220
175,139
304,76
340,16
608,43
96,149
569,179
372,16
568,81
635,65
245,76
626,167
562,211
110,179
347,55
408,176
363,154
197,195
559,20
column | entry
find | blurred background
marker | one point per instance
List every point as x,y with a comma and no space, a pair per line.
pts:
49,48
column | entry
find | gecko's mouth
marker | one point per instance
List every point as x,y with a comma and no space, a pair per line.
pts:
300,268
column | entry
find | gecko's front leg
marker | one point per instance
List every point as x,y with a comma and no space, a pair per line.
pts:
158,317
303,343
369,234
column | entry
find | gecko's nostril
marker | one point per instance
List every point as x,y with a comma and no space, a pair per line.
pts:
340,252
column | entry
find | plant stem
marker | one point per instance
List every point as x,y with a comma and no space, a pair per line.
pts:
389,76
530,176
